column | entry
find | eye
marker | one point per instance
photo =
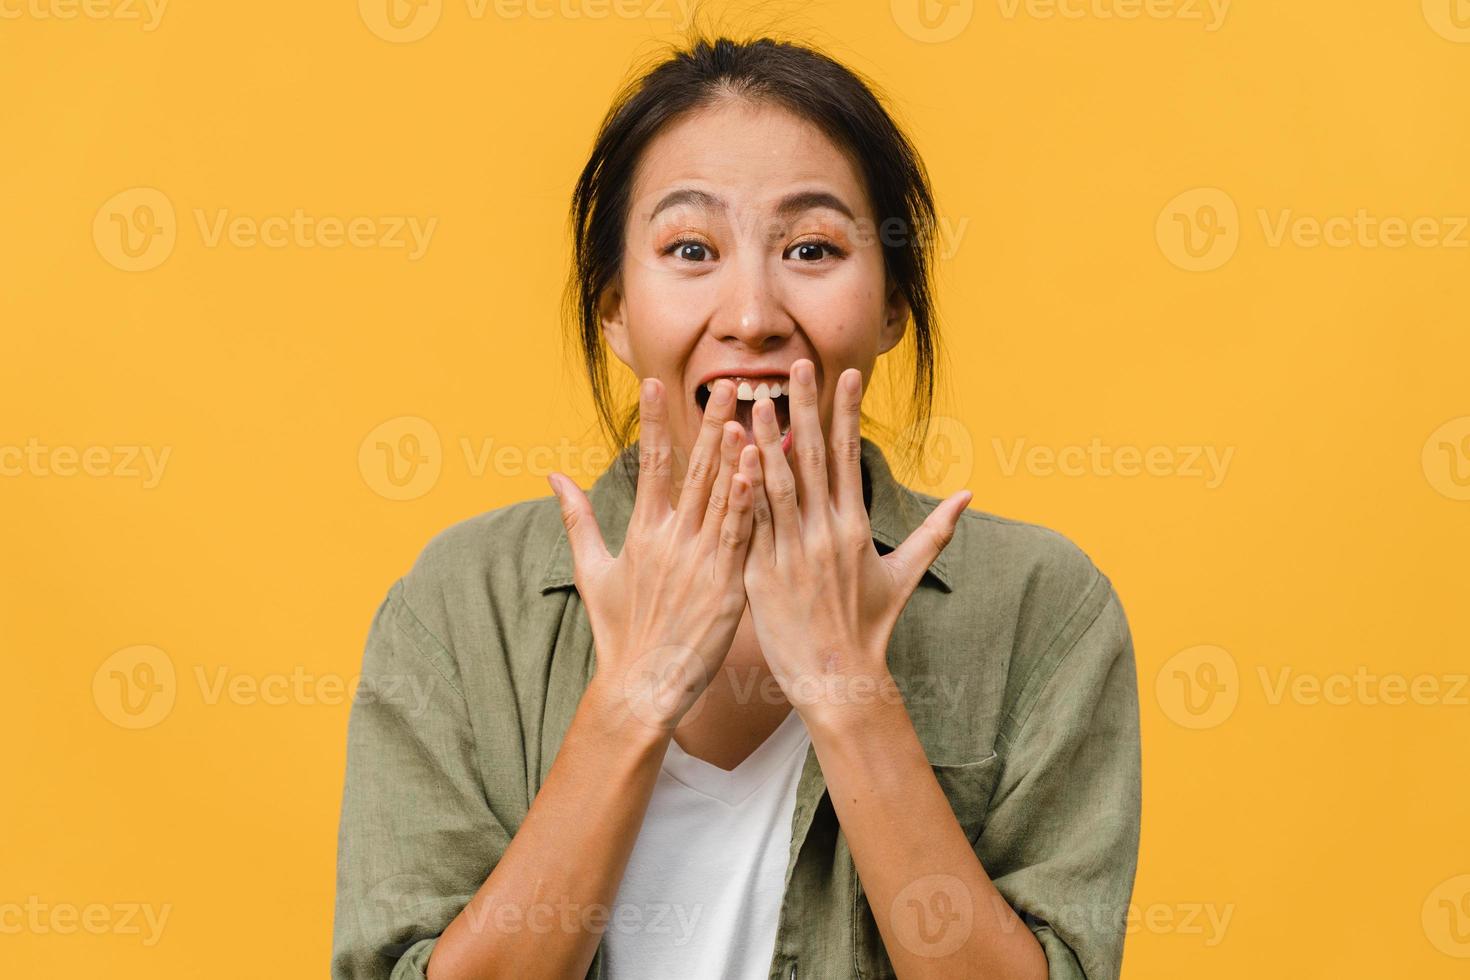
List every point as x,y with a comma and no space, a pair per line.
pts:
689,249
814,250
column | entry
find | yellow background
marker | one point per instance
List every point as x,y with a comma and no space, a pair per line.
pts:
1332,835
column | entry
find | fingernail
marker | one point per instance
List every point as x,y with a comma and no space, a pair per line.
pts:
648,388
723,391
551,479
805,372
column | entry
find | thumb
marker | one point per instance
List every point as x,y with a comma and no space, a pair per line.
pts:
911,559
577,516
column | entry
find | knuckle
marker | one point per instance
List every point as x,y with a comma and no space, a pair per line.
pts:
665,560
653,460
638,539
781,492
848,449
700,468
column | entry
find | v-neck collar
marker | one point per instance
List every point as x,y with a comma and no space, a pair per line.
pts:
733,786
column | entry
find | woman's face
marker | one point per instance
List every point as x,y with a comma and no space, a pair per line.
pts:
750,243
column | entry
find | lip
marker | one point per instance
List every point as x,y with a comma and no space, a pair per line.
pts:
737,372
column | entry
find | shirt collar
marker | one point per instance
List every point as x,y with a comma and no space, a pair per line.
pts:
894,511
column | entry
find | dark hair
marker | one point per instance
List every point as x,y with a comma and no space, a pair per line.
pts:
808,84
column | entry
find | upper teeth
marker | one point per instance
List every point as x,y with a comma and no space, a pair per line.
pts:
744,392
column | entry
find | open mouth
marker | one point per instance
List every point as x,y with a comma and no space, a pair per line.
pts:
747,391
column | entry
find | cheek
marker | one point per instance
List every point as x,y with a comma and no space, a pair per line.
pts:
842,319
661,320
851,292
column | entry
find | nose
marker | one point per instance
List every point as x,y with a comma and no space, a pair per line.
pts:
751,310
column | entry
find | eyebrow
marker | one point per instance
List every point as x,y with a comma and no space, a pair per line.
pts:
791,204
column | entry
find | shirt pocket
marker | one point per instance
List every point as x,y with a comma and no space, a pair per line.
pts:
968,787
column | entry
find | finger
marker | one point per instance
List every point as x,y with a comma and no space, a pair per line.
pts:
585,537
909,560
807,440
762,534
776,477
654,458
735,532
731,439
704,461
847,443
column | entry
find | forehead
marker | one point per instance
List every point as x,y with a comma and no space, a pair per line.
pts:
752,153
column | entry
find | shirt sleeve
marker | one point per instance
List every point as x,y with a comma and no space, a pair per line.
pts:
1061,838
417,838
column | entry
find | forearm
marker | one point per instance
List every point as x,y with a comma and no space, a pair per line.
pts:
916,866
542,911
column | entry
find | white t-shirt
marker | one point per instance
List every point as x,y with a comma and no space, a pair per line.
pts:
702,892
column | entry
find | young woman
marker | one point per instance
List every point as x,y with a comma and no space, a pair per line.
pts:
752,708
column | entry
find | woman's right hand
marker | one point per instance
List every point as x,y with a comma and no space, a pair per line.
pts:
665,610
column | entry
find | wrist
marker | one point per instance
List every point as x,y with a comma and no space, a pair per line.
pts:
844,704
612,714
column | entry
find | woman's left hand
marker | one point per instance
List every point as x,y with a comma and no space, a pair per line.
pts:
822,600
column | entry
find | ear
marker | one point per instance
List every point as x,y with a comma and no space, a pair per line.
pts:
614,318
896,313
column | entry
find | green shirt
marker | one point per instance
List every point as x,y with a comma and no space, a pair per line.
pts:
1013,655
